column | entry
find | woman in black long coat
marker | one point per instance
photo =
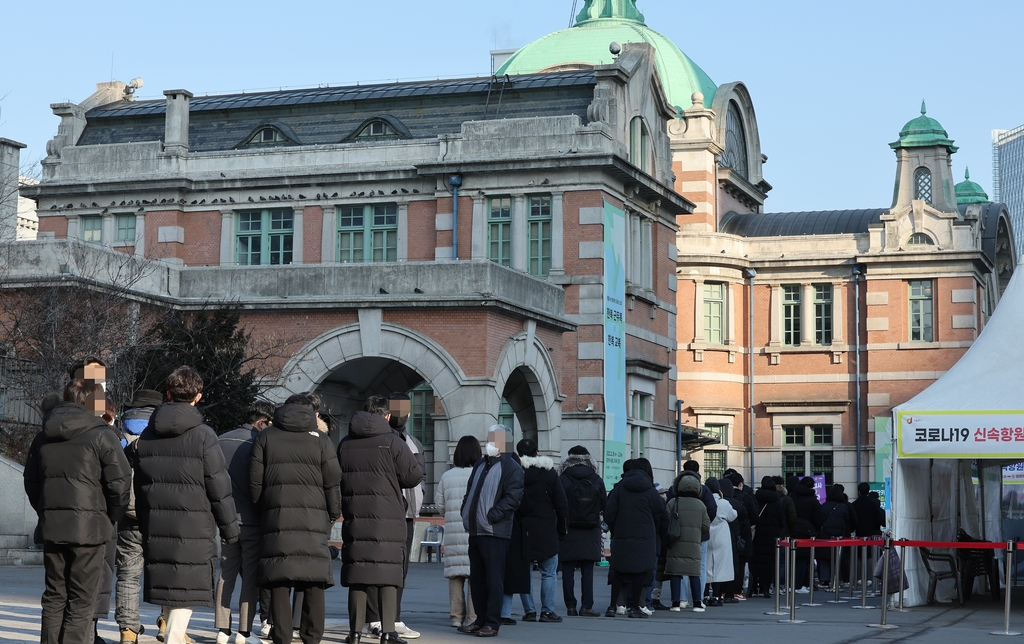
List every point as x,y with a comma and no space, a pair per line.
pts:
769,523
517,562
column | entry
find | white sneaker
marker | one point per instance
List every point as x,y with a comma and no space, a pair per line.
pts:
675,609
646,611
620,610
222,637
252,639
373,628
265,629
684,604
405,632
802,591
698,609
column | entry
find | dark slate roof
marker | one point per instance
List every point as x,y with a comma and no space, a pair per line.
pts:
990,214
329,115
818,222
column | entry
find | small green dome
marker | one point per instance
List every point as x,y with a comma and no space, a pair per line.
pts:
923,132
968,192
598,25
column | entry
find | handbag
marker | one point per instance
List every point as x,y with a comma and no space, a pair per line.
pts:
753,528
894,572
675,531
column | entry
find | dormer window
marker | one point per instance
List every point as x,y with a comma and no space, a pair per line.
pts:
270,135
377,128
383,126
920,239
923,185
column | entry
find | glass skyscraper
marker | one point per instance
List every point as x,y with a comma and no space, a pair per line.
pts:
1008,176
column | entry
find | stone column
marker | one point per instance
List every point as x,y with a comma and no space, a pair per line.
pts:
730,315
227,238
557,236
838,321
140,234
107,230
647,253
775,318
479,227
73,232
403,232
329,236
635,273
698,311
297,236
519,232
806,315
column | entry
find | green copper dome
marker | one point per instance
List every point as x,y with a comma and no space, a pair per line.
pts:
598,25
923,132
968,192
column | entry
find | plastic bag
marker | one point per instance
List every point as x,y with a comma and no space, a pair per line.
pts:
894,572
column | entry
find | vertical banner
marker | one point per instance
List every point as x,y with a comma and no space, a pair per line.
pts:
615,439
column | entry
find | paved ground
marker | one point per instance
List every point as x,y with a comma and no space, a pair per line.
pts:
426,609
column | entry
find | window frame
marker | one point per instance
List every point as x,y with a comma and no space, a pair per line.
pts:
823,310
118,237
503,224
538,246
822,435
789,431
792,314
713,301
923,187
377,221
84,229
719,431
267,237
921,311
715,469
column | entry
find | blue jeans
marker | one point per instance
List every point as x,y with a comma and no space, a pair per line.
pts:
129,569
548,584
675,586
687,594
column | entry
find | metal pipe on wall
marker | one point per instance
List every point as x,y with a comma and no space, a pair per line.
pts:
455,181
856,289
751,274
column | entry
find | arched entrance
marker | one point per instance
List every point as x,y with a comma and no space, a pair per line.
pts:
529,390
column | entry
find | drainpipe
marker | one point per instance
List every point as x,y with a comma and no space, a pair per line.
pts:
679,435
856,307
751,274
455,181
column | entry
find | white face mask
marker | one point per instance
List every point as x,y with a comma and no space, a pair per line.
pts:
492,450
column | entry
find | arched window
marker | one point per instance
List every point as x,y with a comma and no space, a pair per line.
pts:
377,128
639,144
920,239
270,135
735,155
923,184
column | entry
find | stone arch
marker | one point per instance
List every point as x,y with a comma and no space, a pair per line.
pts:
737,93
526,372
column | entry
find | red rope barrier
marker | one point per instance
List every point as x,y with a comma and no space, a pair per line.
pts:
836,543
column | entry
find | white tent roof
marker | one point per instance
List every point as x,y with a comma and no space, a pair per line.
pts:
991,374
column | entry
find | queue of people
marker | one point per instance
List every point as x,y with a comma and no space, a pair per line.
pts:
155,496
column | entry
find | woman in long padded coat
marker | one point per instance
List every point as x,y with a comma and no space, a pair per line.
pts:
376,465
683,555
448,496
720,568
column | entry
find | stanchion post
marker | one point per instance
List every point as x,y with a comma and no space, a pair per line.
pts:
836,558
776,611
791,572
903,576
885,587
1007,587
853,569
863,579
810,572
788,582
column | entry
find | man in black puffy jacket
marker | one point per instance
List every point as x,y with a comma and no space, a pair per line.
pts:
294,478
182,497
77,480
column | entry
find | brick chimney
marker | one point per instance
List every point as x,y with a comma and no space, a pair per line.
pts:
176,123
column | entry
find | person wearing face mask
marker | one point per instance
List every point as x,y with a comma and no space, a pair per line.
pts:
494,493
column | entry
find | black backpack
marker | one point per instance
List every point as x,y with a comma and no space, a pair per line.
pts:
584,505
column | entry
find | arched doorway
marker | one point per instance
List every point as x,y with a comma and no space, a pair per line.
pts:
528,389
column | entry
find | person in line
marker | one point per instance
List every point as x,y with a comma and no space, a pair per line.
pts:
494,493
448,496
870,515
518,566
129,560
106,588
241,558
808,523
77,480
683,552
692,468
720,569
583,545
637,519
837,524
745,496
787,529
740,535
769,521
293,482
545,525
399,411
376,466
180,472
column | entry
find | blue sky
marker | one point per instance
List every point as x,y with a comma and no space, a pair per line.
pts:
832,82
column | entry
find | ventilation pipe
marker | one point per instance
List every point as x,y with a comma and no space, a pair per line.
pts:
455,181
751,274
857,271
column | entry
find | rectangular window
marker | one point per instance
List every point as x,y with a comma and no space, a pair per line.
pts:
264,237
921,311
714,464
717,430
793,464
368,233
638,441
506,416
539,236
823,314
714,312
821,463
92,229
126,228
794,435
791,315
499,231
641,407
421,420
821,434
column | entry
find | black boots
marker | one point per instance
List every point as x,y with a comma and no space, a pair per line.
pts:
391,638
353,638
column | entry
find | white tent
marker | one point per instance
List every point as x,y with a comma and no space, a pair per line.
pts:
974,412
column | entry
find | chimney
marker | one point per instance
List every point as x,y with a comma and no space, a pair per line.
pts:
176,123
10,163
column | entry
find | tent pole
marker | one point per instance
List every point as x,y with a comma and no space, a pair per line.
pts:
856,289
